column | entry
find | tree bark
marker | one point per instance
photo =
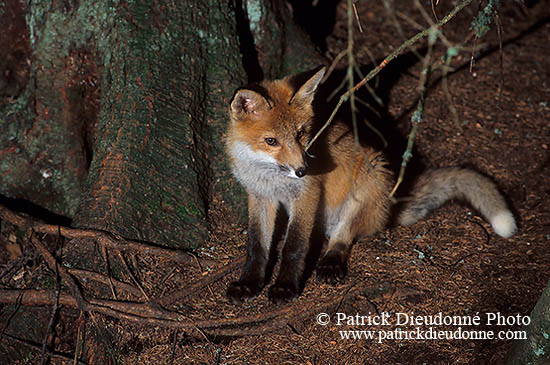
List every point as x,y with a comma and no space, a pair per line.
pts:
169,72
42,157
282,47
112,113
120,125
536,348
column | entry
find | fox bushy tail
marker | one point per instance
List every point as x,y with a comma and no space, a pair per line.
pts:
438,186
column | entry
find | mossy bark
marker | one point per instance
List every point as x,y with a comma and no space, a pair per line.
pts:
42,158
114,112
120,126
282,47
119,121
169,71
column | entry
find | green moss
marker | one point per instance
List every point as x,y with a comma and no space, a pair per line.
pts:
255,11
539,351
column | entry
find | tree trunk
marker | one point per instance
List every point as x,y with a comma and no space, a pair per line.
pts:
536,348
280,47
169,72
120,125
112,113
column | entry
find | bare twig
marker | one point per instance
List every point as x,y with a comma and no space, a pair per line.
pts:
417,116
499,32
335,61
351,66
357,16
433,10
384,63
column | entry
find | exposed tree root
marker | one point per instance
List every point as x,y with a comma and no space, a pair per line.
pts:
150,313
103,238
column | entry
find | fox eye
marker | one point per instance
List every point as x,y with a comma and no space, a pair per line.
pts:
271,141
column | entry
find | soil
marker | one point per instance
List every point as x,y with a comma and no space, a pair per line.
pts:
450,263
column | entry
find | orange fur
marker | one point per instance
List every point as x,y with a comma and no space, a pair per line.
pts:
344,187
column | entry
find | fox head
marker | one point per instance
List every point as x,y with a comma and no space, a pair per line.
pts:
272,122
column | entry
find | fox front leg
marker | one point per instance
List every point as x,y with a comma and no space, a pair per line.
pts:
261,224
296,246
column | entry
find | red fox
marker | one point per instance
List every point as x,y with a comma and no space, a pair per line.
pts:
343,187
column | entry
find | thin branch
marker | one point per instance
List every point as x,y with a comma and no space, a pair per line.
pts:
417,116
433,10
501,58
384,63
333,64
357,17
351,65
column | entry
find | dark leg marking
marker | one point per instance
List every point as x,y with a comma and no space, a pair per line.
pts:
252,279
333,267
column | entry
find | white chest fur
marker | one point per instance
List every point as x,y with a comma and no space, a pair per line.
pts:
261,174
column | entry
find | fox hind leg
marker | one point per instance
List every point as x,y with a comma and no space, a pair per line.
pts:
341,228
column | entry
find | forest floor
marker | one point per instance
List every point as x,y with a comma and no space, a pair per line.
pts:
452,262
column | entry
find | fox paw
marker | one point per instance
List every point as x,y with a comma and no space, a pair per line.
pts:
281,293
239,292
331,270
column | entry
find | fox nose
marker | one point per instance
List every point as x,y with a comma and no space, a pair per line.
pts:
301,172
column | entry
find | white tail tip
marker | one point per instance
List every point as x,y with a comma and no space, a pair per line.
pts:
504,223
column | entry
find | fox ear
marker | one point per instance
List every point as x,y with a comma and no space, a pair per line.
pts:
306,93
248,102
